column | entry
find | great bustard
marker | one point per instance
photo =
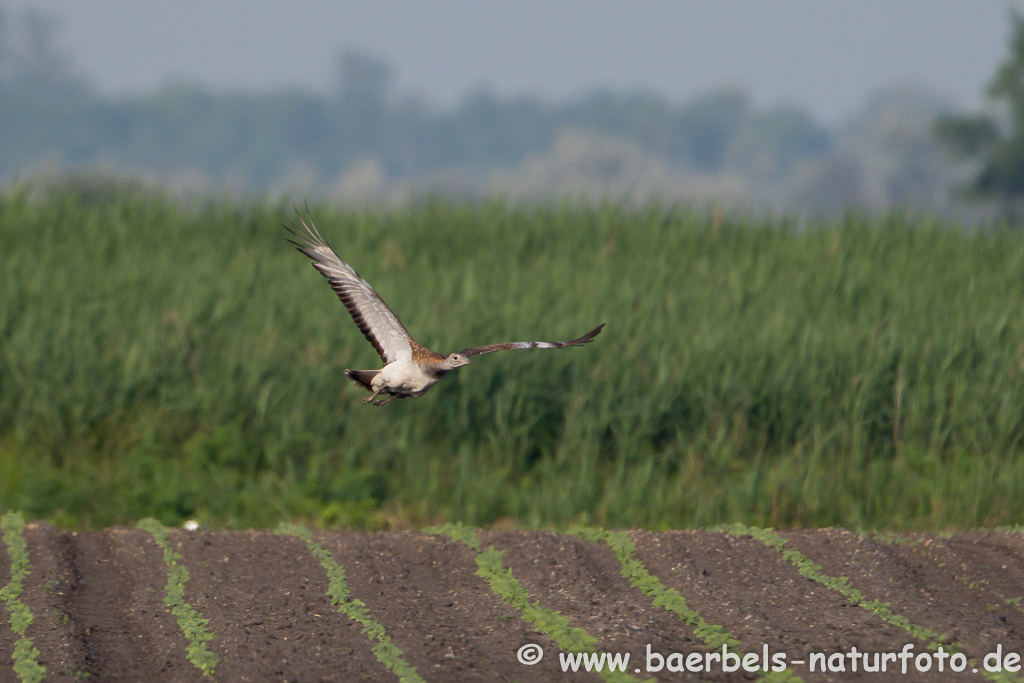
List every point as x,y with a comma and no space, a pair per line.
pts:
410,369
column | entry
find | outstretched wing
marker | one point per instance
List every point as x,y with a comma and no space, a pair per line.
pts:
490,348
376,321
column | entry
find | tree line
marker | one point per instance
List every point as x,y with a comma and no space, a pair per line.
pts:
890,153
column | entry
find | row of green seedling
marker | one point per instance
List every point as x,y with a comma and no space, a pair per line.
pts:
192,623
548,622
843,586
386,651
26,655
714,636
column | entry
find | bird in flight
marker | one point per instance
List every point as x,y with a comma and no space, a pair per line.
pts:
410,369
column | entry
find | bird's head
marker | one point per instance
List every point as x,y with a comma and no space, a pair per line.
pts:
455,360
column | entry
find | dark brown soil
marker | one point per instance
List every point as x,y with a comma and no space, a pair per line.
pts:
97,599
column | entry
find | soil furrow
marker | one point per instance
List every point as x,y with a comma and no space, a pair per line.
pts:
115,626
761,598
927,595
584,581
977,570
45,591
266,599
992,560
98,611
425,592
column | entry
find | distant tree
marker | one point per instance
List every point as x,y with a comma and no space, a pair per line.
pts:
704,131
995,142
5,48
44,102
892,137
364,82
771,143
363,78
38,65
699,134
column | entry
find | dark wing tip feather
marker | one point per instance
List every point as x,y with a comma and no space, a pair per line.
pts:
587,338
308,234
490,348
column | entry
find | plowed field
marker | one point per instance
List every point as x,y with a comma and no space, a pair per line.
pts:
429,606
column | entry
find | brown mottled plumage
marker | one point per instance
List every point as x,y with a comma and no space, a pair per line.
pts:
410,369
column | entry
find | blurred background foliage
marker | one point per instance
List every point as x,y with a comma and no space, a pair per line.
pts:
179,360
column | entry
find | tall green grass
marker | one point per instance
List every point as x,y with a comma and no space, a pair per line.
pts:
182,361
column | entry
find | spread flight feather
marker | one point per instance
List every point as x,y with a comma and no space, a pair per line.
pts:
410,369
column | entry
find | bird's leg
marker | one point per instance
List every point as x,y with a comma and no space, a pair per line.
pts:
385,400
373,395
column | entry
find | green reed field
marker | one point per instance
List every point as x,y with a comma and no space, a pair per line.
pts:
183,361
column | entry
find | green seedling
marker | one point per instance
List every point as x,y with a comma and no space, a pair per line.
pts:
192,623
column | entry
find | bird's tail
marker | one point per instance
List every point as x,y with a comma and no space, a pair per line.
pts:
362,378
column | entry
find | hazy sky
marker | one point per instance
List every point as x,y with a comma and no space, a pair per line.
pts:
825,55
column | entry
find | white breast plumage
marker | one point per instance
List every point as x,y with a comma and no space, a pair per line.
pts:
403,378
